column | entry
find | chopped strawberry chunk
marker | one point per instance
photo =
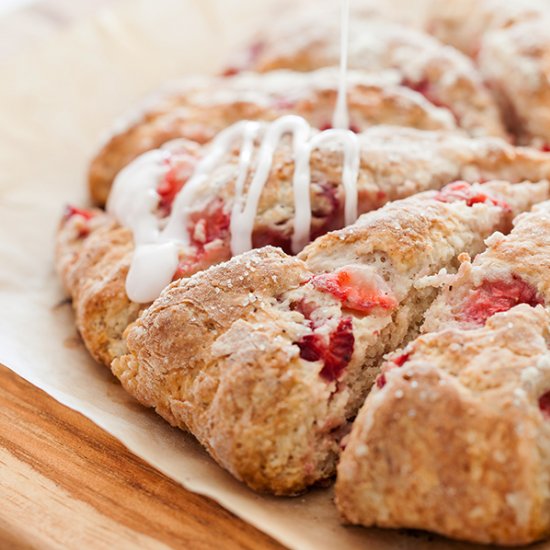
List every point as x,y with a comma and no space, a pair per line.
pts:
270,236
84,217
393,362
357,287
168,188
340,350
304,307
284,103
230,71
545,148
181,167
312,347
327,209
209,232
401,359
381,381
496,296
202,259
336,354
544,404
462,191
71,211
210,224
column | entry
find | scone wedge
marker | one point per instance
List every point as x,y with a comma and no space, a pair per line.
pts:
455,438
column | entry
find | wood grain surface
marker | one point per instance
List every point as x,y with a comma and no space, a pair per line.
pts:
65,483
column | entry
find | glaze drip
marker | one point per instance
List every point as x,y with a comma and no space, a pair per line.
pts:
134,200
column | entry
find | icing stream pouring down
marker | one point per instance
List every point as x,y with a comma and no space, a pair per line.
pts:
134,197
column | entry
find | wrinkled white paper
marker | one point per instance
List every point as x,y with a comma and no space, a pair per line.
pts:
54,103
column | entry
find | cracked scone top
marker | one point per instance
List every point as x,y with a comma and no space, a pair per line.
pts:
278,352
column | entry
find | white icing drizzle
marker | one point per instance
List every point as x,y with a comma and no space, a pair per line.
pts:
340,118
134,198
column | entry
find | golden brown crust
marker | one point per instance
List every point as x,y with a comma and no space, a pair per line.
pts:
93,268
199,107
309,39
232,353
455,442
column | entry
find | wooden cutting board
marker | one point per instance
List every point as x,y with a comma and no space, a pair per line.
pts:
65,483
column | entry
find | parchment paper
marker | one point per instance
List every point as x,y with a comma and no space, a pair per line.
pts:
54,103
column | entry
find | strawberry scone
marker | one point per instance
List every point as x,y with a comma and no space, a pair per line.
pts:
456,437
267,358
198,108
509,39
309,39
463,24
94,250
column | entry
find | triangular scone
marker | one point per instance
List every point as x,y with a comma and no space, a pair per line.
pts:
457,439
456,436
267,358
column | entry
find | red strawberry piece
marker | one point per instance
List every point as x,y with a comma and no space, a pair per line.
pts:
401,359
544,404
168,188
327,210
545,148
340,350
335,354
463,191
357,287
425,88
304,307
312,347
181,169
71,211
497,296
264,236
284,104
381,381
202,259
394,361
210,224
83,215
